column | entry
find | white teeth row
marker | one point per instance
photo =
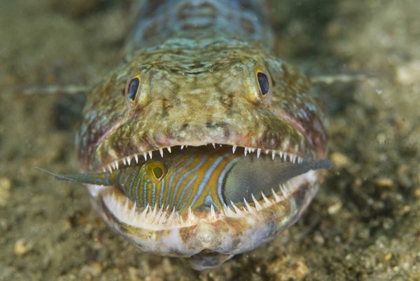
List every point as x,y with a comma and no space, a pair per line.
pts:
128,211
285,190
135,158
283,155
247,150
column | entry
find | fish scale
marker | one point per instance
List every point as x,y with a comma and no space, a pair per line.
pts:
201,73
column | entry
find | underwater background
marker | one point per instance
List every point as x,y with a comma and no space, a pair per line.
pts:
364,224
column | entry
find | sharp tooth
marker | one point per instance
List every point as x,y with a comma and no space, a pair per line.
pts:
161,152
213,144
273,154
124,162
257,205
133,210
153,214
212,212
281,154
248,207
182,147
267,202
104,170
228,211
145,211
237,210
191,216
267,151
162,215
258,152
109,168
233,149
169,149
150,154
126,206
245,151
136,157
171,215
276,196
283,190
116,165
128,160
159,214
252,149
145,156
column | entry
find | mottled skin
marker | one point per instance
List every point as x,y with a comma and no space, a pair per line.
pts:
199,86
233,112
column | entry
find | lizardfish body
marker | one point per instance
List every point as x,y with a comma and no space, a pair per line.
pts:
201,144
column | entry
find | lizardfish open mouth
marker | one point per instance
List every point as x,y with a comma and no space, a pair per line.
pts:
204,188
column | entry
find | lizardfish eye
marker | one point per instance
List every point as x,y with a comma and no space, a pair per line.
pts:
132,88
264,83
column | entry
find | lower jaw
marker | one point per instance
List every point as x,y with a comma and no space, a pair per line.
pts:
205,238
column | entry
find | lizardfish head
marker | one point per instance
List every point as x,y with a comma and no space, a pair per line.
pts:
159,103
243,99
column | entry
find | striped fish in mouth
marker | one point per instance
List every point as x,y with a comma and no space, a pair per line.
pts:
203,179
198,74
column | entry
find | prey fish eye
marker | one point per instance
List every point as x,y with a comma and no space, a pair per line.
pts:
211,159
155,170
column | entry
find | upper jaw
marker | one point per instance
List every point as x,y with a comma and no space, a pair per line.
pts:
133,143
139,158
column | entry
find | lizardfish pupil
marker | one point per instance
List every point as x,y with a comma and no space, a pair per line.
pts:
133,88
263,81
